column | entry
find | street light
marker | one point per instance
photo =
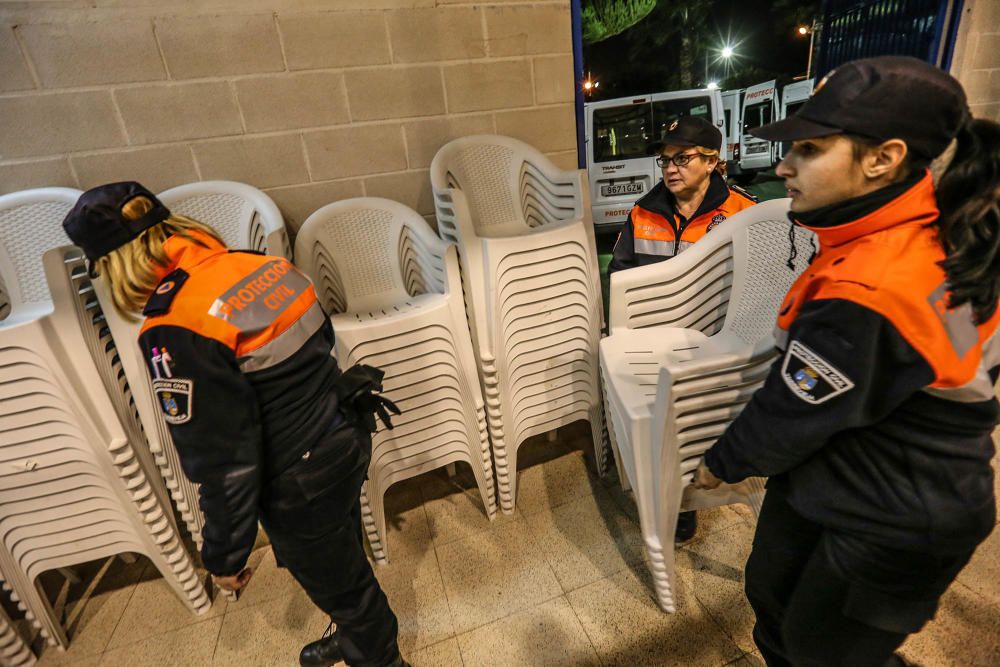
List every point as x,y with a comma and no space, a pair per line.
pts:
810,30
712,85
725,53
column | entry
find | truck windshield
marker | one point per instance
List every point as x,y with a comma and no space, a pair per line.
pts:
756,115
622,133
792,108
625,132
666,112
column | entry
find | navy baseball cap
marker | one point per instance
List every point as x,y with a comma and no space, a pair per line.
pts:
888,97
98,224
689,131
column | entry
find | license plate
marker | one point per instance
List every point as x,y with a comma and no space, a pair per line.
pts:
755,148
621,189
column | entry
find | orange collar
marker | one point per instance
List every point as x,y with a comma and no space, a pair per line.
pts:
185,253
916,205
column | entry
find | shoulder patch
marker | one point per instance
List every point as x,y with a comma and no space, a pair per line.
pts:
161,298
175,397
810,377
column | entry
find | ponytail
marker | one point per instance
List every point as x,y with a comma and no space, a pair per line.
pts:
968,195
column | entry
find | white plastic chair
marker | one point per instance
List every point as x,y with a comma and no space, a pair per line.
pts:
73,487
30,223
532,289
244,216
394,291
673,389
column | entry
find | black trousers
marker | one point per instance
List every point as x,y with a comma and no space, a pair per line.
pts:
825,599
312,514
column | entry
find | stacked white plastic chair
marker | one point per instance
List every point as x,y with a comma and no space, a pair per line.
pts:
14,651
245,217
532,289
394,290
73,487
691,340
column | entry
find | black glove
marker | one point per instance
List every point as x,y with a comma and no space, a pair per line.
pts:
358,393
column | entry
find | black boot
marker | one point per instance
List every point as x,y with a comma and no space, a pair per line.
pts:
687,524
322,652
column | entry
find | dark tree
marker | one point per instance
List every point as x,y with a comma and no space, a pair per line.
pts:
668,48
606,18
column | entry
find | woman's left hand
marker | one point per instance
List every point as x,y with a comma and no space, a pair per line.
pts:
704,479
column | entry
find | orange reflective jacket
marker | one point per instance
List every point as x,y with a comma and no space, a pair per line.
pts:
655,231
888,262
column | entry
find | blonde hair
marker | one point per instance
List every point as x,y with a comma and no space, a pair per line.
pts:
708,152
133,270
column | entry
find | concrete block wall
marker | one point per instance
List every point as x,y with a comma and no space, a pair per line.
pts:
976,61
310,100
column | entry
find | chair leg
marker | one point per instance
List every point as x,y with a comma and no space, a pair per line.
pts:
661,548
755,494
599,433
487,486
661,565
13,649
174,563
494,420
484,480
370,523
612,444
39,612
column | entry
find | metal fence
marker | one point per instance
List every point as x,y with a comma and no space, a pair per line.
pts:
851,29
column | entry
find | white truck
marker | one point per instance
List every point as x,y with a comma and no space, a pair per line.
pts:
618,135
732,105
761,106
793,96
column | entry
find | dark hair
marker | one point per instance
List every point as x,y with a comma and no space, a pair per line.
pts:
968,195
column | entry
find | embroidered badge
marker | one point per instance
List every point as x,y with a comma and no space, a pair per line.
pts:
163,296
716,221
673,126
810,377
175,397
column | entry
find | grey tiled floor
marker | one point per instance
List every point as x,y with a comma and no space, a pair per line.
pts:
561,582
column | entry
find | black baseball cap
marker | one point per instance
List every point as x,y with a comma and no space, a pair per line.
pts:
689,131
97,223
888,97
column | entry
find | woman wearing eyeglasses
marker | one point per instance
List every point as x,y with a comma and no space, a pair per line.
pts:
690,201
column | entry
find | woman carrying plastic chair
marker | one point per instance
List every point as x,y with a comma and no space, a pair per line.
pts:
239,351
874,427
690,201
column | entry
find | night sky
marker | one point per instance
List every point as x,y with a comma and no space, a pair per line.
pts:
764,38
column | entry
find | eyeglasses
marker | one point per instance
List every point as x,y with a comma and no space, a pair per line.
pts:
681,159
